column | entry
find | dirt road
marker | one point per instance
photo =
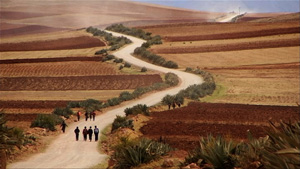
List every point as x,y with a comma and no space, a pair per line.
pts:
65,152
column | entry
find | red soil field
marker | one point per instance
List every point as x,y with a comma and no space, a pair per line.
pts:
32,104
237,35
25,30
102,82
182,127
229,47
45,60
59,44
58,69
21,15
20,117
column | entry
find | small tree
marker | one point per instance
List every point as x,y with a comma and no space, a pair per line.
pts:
144,69
168,100
121,122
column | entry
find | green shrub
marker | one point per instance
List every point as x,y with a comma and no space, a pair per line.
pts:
118,60
48,121
121,122
91,105
140,91
142,152
100,52
188,69
215,151
137,109
283,152
124,96
171,79
108,57
144,69
127,65
73,104
114,101
66,112
121,67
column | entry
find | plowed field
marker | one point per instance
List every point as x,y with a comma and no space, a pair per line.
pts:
104,82
182,127
58,44
73,68
229,47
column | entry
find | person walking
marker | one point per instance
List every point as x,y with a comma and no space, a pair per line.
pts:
86,116
90,132
63,126
77,131
91,115
78,115
85,133
94,115
96,132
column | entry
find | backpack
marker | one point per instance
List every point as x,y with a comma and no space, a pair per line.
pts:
96,130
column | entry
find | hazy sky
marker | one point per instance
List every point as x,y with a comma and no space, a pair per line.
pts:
249,6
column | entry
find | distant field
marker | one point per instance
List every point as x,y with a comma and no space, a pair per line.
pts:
252,62
58,44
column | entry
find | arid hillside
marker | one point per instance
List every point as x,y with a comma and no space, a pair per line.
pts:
22,17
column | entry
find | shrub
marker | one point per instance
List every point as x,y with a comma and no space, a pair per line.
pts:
284,148
108,57
137,109
118,60
127,65
188,69
66,112
171,79
168,100
215,151
144,69
121,67
121,122
100,52
114,101
91,105
124,96
73,104
140,91
48,121
142,152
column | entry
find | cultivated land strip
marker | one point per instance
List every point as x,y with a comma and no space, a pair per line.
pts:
65,152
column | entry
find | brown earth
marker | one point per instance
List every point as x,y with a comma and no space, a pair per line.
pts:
83,14
18,30
66,68
236,35
32,104
206,29
58,44
101,82
58,59
228,47
182,127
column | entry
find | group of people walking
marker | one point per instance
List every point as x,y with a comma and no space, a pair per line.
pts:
87,132
88,115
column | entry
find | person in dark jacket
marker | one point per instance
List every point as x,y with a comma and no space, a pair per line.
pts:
85,133
90,132
63,126
77,131
96,132
86,116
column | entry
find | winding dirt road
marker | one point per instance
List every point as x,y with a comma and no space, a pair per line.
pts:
65,152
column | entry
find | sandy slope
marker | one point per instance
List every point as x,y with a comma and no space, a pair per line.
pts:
65,152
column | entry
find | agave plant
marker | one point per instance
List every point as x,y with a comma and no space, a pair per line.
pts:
215,151
283,152
143,151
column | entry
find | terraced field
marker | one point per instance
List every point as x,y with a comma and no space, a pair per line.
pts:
182,127
252,61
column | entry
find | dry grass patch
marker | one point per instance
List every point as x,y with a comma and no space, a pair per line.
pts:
236,58
60,95
50,53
